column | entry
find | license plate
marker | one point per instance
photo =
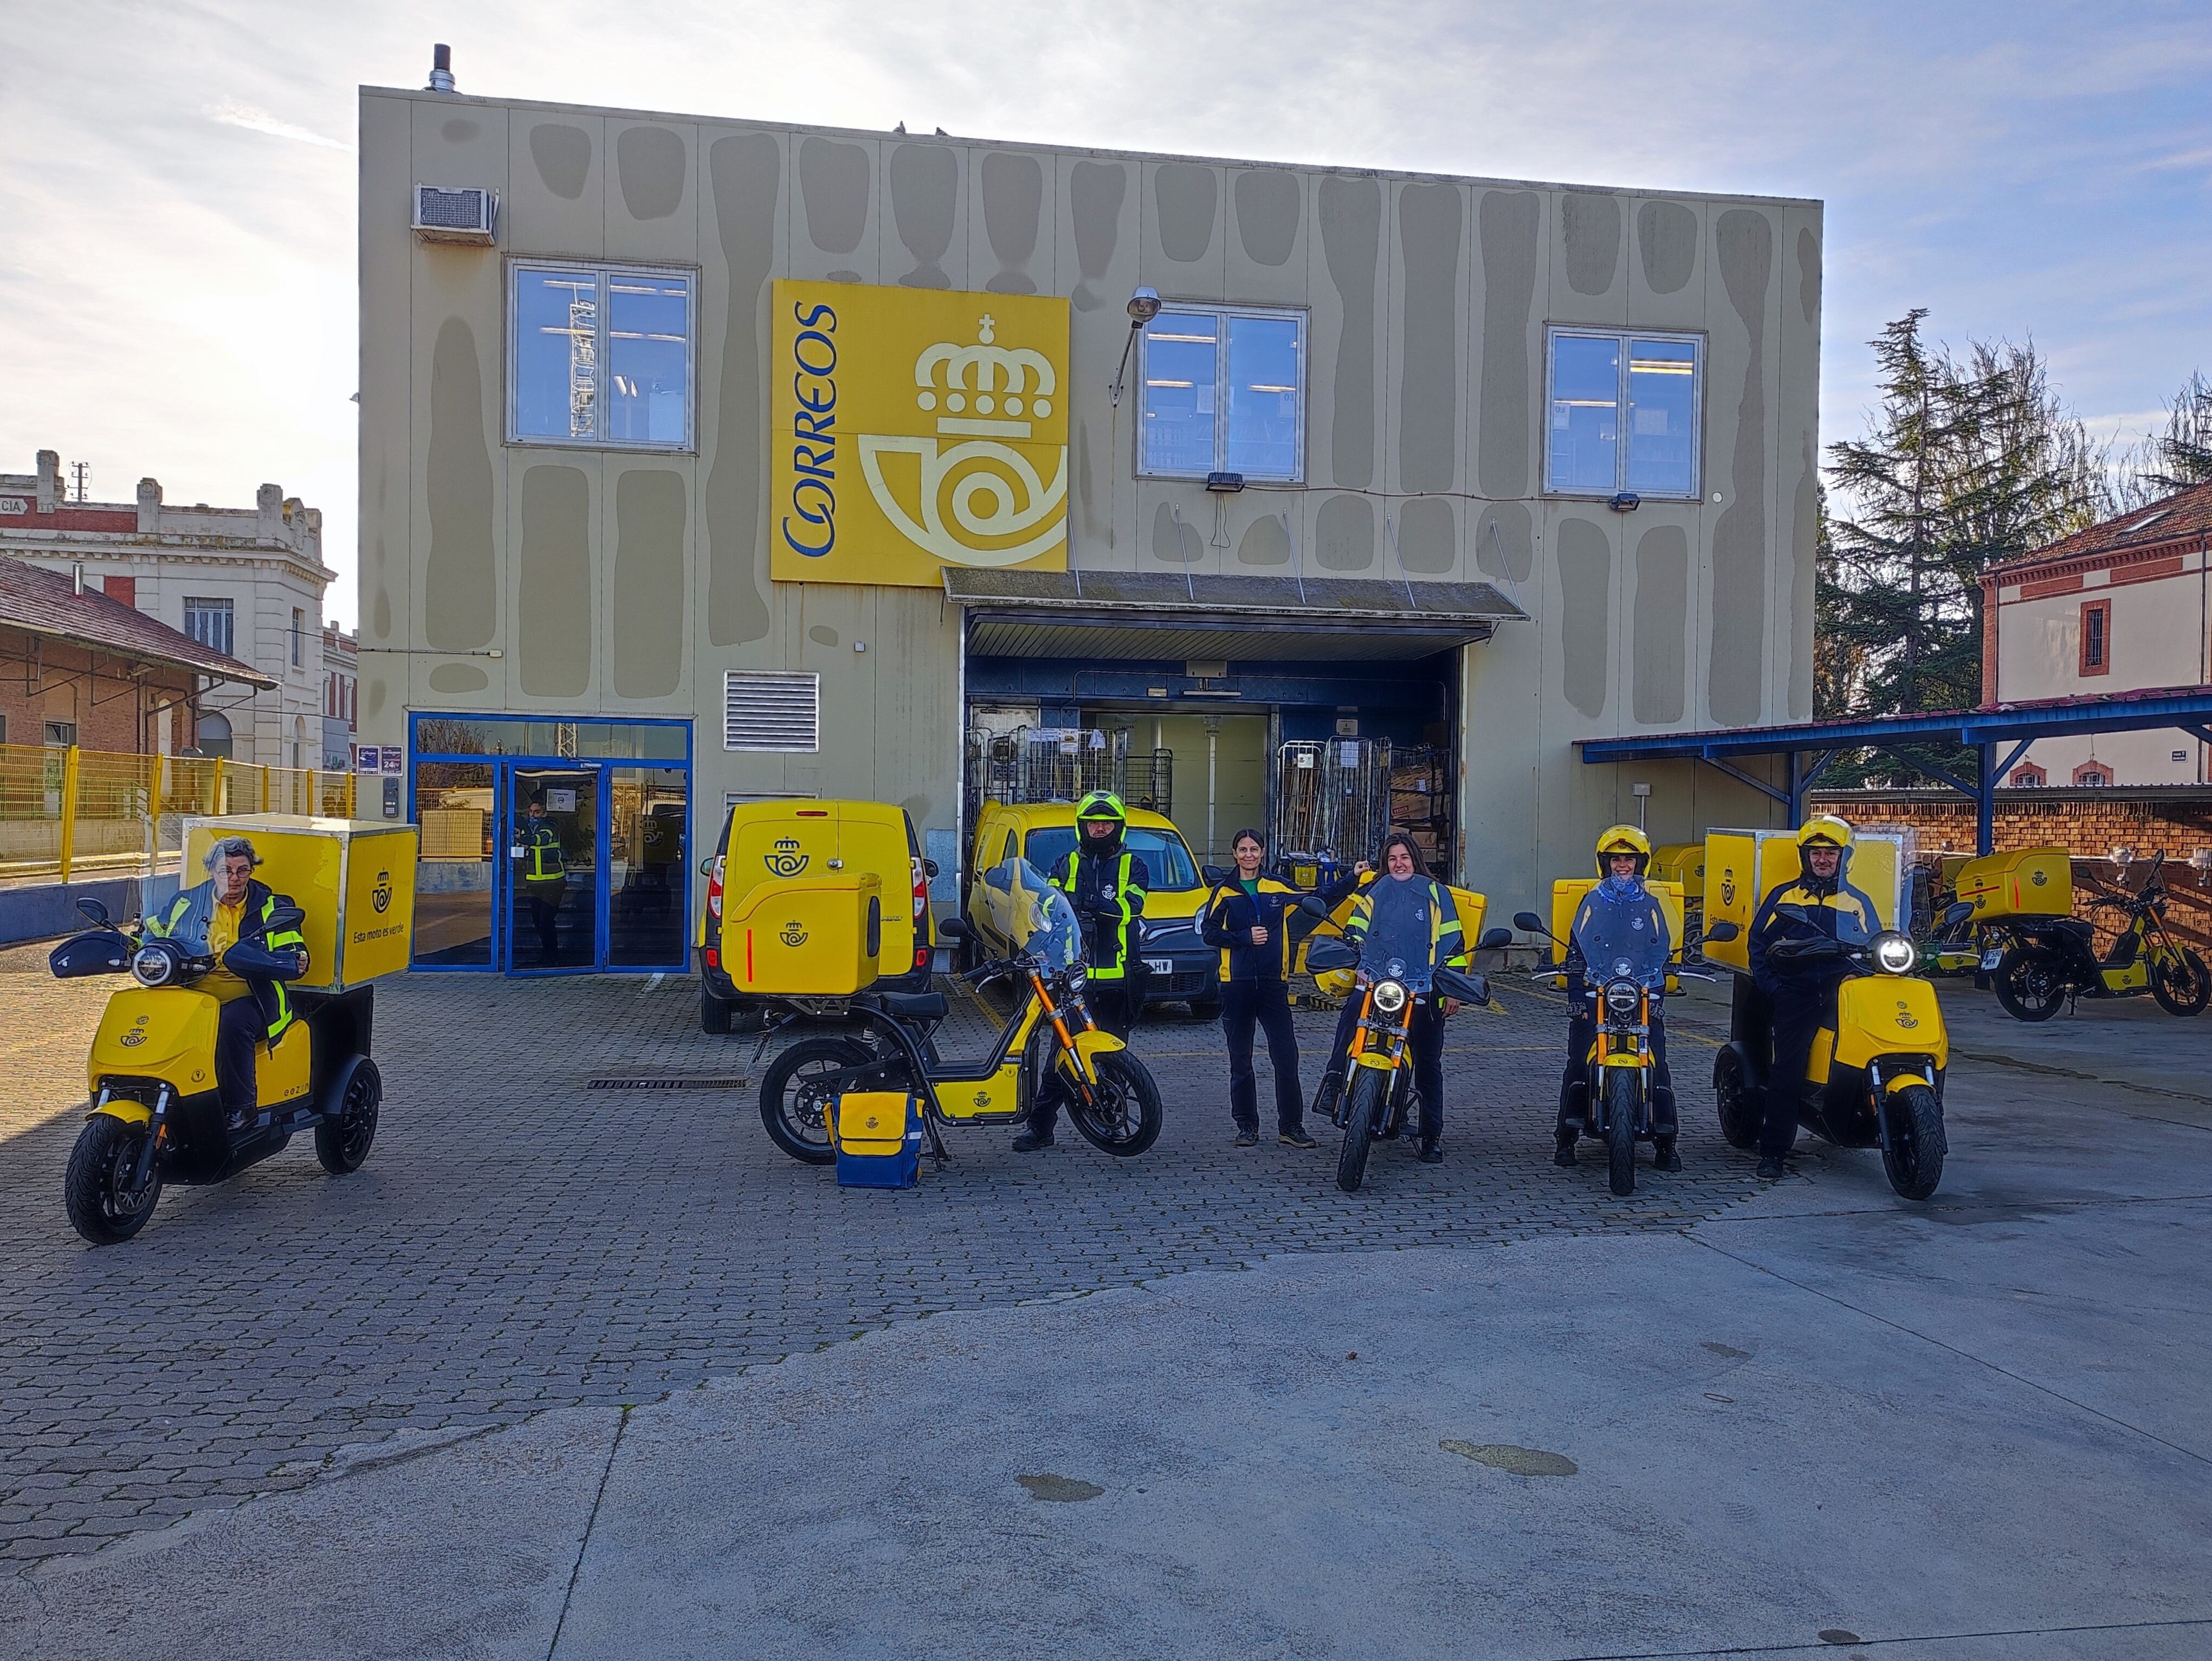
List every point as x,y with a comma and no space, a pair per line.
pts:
1160,965
1990,959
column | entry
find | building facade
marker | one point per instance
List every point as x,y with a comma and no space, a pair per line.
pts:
341,660
2120,608
244,582
700,458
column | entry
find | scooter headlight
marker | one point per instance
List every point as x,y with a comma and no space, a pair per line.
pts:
150,966
1390,997
1895,953
1621,998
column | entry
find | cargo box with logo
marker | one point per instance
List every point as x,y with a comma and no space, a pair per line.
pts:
809,842
354,879
1742,867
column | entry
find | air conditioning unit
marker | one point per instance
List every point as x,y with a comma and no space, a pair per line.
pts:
467,216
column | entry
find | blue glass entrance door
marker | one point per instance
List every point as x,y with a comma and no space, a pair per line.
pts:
555,816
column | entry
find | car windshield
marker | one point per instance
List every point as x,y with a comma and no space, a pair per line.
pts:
1028,911
1167,861
1623,936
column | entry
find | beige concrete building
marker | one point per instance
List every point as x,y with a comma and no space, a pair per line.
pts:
2115,609
1475,466
244,582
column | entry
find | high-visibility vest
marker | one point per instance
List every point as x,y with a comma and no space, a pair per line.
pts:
539,850
186,921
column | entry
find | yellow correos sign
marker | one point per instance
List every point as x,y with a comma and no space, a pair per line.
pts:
914,428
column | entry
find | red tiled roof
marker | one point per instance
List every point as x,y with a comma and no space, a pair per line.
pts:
2186,513
43,602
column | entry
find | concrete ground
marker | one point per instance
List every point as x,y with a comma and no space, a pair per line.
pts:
1196,1404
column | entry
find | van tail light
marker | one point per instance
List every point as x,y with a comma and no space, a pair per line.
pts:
714,890
920,889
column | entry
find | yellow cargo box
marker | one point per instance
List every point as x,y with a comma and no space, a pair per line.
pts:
810,936
872,1122
1742,867
2029,882
1682,863
353,878
1567,895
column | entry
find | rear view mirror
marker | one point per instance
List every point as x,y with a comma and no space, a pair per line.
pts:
952,929
1494,938
1329,951
1957,914
1214,875
1529,922
1314,906
1722,930
92,909
929,869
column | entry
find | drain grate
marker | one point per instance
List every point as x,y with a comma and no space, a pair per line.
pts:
726,1082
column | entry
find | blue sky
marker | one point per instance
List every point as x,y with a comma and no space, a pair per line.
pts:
177,181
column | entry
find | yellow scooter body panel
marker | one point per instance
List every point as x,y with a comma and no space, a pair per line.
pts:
168,1033
1091,1046
2135,978
1878,1015
981,1098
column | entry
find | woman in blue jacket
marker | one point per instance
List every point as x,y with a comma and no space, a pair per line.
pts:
1244,920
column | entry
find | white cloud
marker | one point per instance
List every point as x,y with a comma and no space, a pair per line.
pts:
234,114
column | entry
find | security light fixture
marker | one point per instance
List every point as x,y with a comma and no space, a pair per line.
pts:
1143,306
1224,484
1627,502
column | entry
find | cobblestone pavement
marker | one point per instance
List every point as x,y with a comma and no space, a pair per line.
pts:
519,1241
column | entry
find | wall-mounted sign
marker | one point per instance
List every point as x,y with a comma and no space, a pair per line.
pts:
560,802
914,428
14,505
368,758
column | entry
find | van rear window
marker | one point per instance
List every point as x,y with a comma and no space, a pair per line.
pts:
1167,861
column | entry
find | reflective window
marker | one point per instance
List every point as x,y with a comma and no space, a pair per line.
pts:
1223,391
1622,413
1167,861
600,356
614,740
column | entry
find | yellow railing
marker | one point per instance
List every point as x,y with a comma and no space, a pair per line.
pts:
69,813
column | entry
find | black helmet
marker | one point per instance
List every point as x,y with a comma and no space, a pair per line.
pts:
1097,805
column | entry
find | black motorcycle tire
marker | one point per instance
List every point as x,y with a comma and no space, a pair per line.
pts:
1123,1081
1743,1113
1913,1160
2182,989
2030,986
106,1149
1362,1108
349,1128
786,1100
1622,1089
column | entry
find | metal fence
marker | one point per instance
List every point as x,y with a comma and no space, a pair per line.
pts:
68,814
1062,764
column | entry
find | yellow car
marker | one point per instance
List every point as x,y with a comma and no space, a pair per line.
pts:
1178,965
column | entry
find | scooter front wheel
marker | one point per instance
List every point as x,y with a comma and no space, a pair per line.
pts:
2181,983
1912,1156
97,1192
1362,1110
1621,1091
796,1095
1123,1115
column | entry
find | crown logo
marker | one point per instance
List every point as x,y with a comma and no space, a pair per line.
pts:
786,860
985,391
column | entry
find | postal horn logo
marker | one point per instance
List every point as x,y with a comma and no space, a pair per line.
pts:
1905,1018
381,896
980,501
792,934
784,860
2038,877
1727,888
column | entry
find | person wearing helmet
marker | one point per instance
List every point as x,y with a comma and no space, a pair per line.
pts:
1623,855
1802,992
1105,884
1405,894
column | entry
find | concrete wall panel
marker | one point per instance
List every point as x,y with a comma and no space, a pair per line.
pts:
1345,351
1666,266
387,474
1590,258
1184,217
649,587
926,183
835,213
1659,624
1009,241
1266,255
554,581
743,242
1427,331
1741,463
1095,237
1585,615
1798,450
652,205
556,202
1510,230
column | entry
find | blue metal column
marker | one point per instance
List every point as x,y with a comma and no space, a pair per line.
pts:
1986,798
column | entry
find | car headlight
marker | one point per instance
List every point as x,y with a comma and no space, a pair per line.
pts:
1390,997
151,966
1894,953
1622,998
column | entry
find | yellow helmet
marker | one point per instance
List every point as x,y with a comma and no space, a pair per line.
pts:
1623,839
1824,827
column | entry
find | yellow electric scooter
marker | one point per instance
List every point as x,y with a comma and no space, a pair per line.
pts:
1048,1042
155,1117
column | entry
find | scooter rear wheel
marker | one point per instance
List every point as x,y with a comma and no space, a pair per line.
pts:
1363,1108
101,1207
1622,1090
1743,1110
2029,985
795,1095
343,1139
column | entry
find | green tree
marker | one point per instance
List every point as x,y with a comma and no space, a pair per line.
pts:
2170,461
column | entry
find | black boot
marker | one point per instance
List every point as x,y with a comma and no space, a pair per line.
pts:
1663,1156
1432,1153
1563,1147
1772,1170
1031,1140
1329,1099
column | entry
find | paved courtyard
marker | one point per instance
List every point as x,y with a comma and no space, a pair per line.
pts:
515,1365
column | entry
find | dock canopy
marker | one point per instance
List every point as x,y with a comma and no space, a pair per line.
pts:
1808,747
1160,615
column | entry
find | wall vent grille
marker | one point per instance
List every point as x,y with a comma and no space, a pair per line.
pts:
772,712
467,216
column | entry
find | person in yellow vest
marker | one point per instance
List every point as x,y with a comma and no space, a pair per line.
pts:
541,877
1246,920
208,920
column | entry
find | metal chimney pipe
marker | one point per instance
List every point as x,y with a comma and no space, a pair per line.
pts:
441,69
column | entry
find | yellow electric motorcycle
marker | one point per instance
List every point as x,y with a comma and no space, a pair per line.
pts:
1393,979
2038,963
155,1117
1047,1041
1876,1074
